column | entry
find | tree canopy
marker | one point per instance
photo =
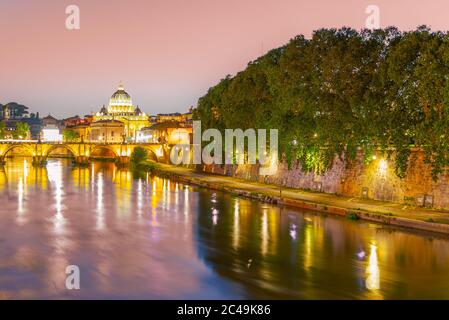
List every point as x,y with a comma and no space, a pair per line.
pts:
341,91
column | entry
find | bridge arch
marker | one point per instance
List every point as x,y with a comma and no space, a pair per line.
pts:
151,153
104,147
28,149
59,146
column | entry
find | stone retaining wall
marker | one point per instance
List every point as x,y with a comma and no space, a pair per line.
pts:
375,180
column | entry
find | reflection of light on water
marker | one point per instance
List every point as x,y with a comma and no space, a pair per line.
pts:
92,174
186,201
25,169
214,216
54,171
139,197
308,234
176,196
293,231
167,191
21,189
20,192
236,229
264,232
164,194
373,278
100,204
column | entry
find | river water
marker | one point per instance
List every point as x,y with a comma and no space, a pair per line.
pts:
151,238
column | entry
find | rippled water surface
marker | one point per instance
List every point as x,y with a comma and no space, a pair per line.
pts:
149,237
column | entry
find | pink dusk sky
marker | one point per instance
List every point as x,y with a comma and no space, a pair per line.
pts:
167,52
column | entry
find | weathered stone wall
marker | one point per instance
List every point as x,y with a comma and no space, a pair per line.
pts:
375,180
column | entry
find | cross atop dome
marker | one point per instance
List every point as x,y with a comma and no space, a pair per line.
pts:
121,86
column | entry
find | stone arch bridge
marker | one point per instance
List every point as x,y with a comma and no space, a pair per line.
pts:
81,151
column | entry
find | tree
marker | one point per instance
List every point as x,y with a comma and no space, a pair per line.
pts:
22,130
70,135
139,155
2,130
342,91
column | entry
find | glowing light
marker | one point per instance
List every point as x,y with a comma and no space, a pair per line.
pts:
264,232
214,216
100,203
236,233
383,166
373,279
293,233
54,171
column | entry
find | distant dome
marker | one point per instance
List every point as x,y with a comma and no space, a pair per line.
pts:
120,98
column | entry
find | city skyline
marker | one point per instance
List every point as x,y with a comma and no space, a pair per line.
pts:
167,53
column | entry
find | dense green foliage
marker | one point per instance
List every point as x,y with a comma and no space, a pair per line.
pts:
2,130
70,135
342,91
140,163
139,155
21,131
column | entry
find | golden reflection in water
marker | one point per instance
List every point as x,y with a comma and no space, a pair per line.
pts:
308,246
81,177
168,194
236,229
54,172
123,188
373,274
264,232
154,197
186,202
100,202
176,195
139,197
164,194
280,253
3,178
20,194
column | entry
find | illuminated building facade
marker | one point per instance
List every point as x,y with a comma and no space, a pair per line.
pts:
170,132
121,109
108,131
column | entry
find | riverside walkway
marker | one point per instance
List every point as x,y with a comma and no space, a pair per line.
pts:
371,210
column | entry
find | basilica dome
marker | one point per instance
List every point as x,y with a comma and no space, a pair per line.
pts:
120,98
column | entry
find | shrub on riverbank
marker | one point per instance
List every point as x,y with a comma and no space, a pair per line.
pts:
140,161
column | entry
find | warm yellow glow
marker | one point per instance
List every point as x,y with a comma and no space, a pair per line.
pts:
159,152
373,278
383,166
264,232
236,229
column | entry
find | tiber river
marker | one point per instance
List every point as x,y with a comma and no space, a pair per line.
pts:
153,238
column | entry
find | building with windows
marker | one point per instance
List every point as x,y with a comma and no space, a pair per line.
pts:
169,132
121,108
107,131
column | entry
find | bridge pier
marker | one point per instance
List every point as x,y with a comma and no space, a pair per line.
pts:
81,160
39,161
